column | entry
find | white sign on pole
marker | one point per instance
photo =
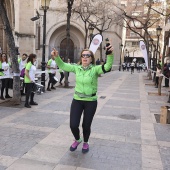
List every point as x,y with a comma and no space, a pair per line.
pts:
144,52
97,39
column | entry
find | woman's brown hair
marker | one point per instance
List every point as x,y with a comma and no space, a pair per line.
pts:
6,57
92,56
31,57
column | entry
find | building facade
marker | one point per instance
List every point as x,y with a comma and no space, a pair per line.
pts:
139,9
29,34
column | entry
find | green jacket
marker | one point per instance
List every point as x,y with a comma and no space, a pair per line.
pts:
86,80
1,73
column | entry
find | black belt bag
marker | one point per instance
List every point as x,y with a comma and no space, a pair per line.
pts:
82,95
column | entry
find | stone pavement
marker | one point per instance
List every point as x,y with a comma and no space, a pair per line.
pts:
125,134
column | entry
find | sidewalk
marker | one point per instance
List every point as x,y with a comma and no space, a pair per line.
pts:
125,134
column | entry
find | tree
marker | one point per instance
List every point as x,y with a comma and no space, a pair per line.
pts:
13,53
83,10
100,14
69,6
141,23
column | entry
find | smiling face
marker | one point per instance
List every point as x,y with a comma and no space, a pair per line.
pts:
86,58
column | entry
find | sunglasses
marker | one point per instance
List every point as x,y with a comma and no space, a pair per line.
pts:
86,55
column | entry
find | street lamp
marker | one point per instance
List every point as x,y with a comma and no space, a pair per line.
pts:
158,33
120,57
126,55
45,6
91,29
150,50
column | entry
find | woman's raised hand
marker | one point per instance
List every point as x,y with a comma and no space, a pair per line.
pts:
54,53
109,49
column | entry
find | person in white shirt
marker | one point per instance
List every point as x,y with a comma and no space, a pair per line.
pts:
6,72
132,67
52,67
22,63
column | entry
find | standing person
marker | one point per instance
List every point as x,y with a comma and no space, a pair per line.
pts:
132,67
138,67
6,81
22,63
52,66
61,74
158,73
69,62
128,65
166,73
123,66
85,98
29,80
98,62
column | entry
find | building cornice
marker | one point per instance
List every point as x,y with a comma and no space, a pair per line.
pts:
24,35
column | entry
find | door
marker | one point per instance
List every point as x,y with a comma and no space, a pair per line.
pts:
63,48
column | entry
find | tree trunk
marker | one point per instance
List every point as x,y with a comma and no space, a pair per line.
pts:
101,48
159,85
149,75
13,54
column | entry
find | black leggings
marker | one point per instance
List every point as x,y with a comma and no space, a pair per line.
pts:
5,85
62,76
88,108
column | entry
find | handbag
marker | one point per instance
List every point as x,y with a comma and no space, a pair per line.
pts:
22,74
55,80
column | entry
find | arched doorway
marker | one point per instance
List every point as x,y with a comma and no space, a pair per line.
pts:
63,47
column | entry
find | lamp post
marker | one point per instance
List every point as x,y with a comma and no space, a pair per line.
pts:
126,55
45,5
91,29
150,51
158,33
120,57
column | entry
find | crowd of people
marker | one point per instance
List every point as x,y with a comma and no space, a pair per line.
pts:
27,67
85,99
130,66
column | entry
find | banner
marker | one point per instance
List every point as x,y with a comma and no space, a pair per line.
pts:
96,41
144,52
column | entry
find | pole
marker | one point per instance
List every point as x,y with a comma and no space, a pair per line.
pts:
43,63
157,50
91,37
120,60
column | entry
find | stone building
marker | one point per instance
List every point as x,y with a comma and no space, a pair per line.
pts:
29,34
139,9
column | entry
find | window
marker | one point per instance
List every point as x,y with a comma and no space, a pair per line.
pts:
168,21
152,32
134,43
132,34
136,13
135,24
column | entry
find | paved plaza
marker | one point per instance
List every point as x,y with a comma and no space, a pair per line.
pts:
125,134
